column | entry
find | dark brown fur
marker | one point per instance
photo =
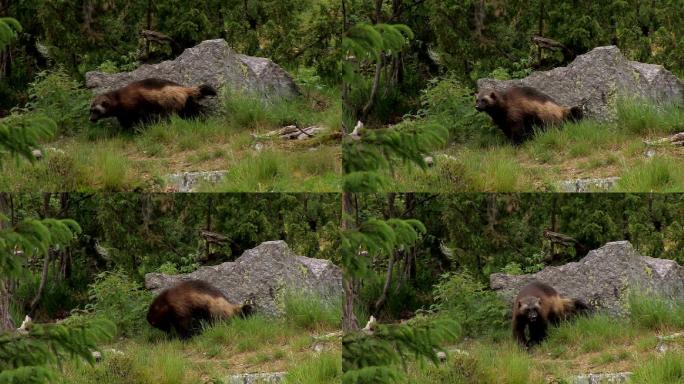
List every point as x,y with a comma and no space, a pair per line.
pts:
517,110
536,306
183,305
145,100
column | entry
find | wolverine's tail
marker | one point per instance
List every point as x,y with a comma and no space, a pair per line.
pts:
576,113
206,90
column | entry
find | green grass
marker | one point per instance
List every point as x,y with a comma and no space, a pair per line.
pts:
325,368
102,157
656,313
587,149
254,344
667,369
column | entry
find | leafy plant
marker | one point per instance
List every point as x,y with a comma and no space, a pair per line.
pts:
115,296
477,310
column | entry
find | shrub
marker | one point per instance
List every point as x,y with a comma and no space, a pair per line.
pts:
465,299
451,104
117,297
59,97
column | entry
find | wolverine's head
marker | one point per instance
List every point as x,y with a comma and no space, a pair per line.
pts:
100,107
530,307
485,100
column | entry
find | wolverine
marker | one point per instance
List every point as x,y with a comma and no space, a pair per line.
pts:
517,110
143,101
182,306
538,305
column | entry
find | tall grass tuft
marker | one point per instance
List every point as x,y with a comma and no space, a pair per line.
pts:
311,312
324,368
505,364
644,118
589,334
660,174
654,312
668,369
248,334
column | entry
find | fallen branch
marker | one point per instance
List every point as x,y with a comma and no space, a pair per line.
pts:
677,140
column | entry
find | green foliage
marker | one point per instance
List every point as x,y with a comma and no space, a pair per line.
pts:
62,99
377,358
376,238
450,104
115,296
30,358
9,28
33,238
19,135
477,310
379,150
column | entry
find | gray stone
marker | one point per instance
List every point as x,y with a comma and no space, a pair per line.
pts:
257,378
602,378
210,62
603,277
263,274
588,185
189,181
596,79
665,342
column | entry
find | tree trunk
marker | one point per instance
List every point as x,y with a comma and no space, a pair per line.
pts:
380,302
41,286
46,261
349,321
6,322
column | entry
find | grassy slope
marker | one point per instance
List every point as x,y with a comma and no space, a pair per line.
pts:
100,157
598,344
254,344
589,149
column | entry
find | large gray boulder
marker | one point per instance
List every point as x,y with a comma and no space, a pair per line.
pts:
264,274
210,62
596,79
603,277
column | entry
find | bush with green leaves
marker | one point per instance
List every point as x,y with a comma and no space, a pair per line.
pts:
477,310
117,297
379,357
61,98
448,102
